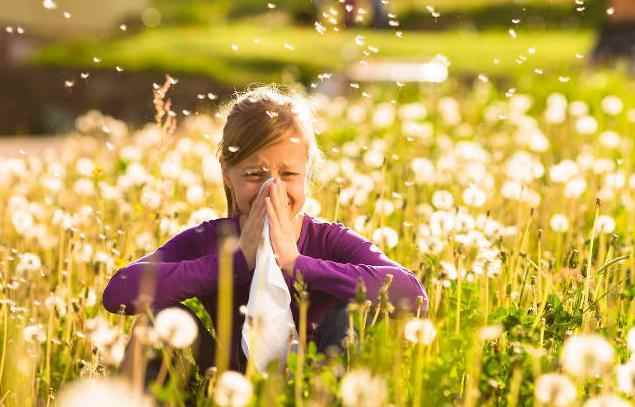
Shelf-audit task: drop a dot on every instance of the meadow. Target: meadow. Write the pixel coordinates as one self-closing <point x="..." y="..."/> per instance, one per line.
<point x="515" y="207"/>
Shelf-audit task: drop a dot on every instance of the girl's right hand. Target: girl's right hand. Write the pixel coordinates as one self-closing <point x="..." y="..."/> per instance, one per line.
<point x="251" y="231"/>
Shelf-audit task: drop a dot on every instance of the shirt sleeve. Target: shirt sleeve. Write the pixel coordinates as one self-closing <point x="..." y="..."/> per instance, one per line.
<point x="182" y="271"/>
<point x="356" y="258"/>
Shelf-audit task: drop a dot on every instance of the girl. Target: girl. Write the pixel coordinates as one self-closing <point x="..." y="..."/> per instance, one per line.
<point x="267" y="134"/>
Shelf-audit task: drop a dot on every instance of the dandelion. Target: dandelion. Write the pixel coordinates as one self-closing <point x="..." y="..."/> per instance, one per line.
<point x="419" y="330"/>
<point x="559" y="223"/>
<point x="490" y="333"/>
<point x="578" y="108"/>
<point x="233" y="390"/>
<point x="102" y="392"/>
<point x="474" y="196"/>
<point x="575" y="188"/>
<point x="442" y="200"/>
<point x="150" y="198"/>
<point x="630" y="340"/>
<point x="588" y="355"/>
<point x="605" y="224"/>
<point x="626" y="377"/>
<point x="612" y="105"/>
<point x="34" y="333"/>
<point x="49" y="4"/>
<point x="359" y="388"/>
<point x="387" y="236"/>
<point x="374" y="158"/>
<point x="176" y="327"/>
<point x="195" y="194"/>
<point x="555" y="389"/>
<point x="586" y="125"/>
<point x="28" y="262"/>
<point x="608" y="400"/>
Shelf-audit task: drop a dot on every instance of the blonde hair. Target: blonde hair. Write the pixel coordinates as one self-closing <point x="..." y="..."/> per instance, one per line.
<point x="259" y="117"/>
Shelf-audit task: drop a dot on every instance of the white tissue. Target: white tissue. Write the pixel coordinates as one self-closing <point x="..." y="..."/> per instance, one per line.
<point x="269" y="302"/>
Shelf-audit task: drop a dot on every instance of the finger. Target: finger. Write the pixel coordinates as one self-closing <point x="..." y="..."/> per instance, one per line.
<point x="279" y="199"/>
<point x="273" y="217"/>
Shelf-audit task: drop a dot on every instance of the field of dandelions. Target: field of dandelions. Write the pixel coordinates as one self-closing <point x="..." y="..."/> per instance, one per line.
<point x="516" y="211"/>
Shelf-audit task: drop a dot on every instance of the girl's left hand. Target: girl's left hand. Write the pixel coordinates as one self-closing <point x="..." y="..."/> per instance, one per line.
<point x="282" y="228"/>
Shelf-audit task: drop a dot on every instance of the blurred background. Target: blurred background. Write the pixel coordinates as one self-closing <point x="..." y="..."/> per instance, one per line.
<point x="61" y="58"/>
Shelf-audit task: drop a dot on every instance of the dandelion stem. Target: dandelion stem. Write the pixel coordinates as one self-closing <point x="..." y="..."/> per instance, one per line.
<point x="418" y="374"/>
<point x="225" y="301"/>
<point x="299" y="369"/>
<point x="587" y="280"/>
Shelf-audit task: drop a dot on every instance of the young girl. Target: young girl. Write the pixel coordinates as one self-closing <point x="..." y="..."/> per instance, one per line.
<point x="267" y="134"/>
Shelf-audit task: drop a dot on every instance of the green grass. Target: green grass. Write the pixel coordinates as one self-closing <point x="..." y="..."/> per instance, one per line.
<point x="208" y="51"/>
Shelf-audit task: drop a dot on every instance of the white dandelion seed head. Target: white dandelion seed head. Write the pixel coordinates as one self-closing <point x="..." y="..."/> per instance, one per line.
<point x="490" y="332"/>
<point x="587" y="355"/>
<point x="386" y="235"/>
<point x="578" y="108"/>
<point x="610" y="139"/>
<point x="630" y="340"/>
<point x="612" y="105"/>
<point x="608" y="400"/>
<point x="384" y="206"/>
<point x="359" y="388"/>
<point x="195" y="194"/>
<point x="559" y="223"/>
<point x="586" y="125"/>
<point x="626" y="377"/>
<point x="233" y="390"/>
<point x="474" y="196"/>
<point x="176" y="327"/>
<point x="419" y="330"/>
<point x="442" y="199"/>
<point x="102" y="392"/>
<point x="575" y="188"/>
<point x="563" y="171"/>
<point x="605" y="224"/>
<point x="34" y="333"/>
<point x="555" y="389"/>
<point x="28" y="262"/>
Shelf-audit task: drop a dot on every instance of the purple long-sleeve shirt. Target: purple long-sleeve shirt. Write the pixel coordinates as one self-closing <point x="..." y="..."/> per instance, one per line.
<point x="332" y="259"/>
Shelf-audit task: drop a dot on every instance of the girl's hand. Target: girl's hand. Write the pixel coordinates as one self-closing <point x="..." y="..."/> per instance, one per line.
<point x="282" y="227"/>
<point x="251" y="231"/>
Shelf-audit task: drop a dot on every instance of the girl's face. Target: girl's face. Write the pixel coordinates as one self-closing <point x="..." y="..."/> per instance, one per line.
<point x="286" y="159"/>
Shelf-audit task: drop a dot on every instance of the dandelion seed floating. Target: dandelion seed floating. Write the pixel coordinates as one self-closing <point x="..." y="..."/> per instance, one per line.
<point x="211" y="96"/>
<point x="234" y="47"/>
<point x="271" y="6"/>
<point x="119" y="69"/>
<point x="512" y="33"/>
<point x="67" y="15"/>
<point x="319" y="28"/>
<point x="288" y="46"/>
<point x="69" y="84"/>
<point x="49" y="4"/>
<point x="123" y="27"/>
<point x="433" y="12"/>
<point x="96" y="60"/>
<point x="233" y="149"/>
<point x="9" y="30"/>
<point x="84" y="75"/>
